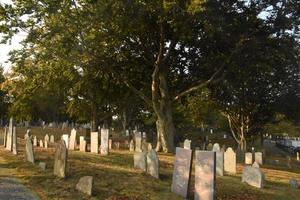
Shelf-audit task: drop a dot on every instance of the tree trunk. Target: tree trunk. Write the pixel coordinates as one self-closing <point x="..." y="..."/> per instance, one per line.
<point x="94" y="120"/>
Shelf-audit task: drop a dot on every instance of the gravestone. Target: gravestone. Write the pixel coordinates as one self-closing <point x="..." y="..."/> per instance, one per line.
<point x="60" y="160"/>
<point x="140" y="160"/>
<point x="294" y="183"/>
<point x="230" y="161"/>
<point x="219" y="159"/>
<point x="104" y="141"/>
<point x="52" y="140"/>
<point x="253" y="176"/>
<point x="15" y="142"/>
<point x="209" y="147"/>
<point x="131" y="145"/>
<point x="41" y="143"/>
<point x="187" y="144"/>
<point x="297" y="156"/>
<point x="144" y="136"/>
<point x="42" y="165"/>
<point x="94" y="142"/>
<point x="182" y="172"/>
<point x="145" y="146"/>
<point x="34" y="141"/>
<point x="46" y="144"/>
<point x="259" y="158"/>
<point x="85" y="185"/>
<point x="65" y="137"/>
<point x="29" y="150"/>
<point x="27" y="134"/>
<point x="82" y="144"/>
<point x="152" y="163"/>
<point x="9" y="135"/>
<point x="109" y="144"/>
<point x="149" y="146"/>
<point x="205" y="175"/>
<point x="138" y="141"/>
<point x="73" y="141"/>
<point x="47" y="138"/>
<point x="248" y="158"/>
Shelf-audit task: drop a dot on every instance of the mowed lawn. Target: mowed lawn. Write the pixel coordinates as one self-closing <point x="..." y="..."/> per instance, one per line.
<point x="116" y="179"/>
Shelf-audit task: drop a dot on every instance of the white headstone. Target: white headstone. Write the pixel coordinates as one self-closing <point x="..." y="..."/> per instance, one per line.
<point x="73" y="141"/>
<point x="219" y="159"/>
<point x="187" y="144"/>
<point x="65" y="137"/>
<point x="94" y="142"/>
<point x="230" y="161"/>
<point x="104" y="141"/>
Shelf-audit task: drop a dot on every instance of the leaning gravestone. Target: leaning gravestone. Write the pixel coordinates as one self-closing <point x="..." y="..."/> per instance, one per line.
<point x="248" y="158"/>
<point x="60" y="160"/>
<point x="140" y="160"/>
<point x="138" y="141"/>
<point x="15" y="143"/>
<point x="104" y="141"/>
<point x="131" y="145"/>
<point x="253" y="176"/>
<point x="182" y="172"/>
<point x="219" y="159"/>
<point x="205" y="175"/>
<point x="187" y="144"/>
<point x="152" y="163"/>
<point x="73" y="141"/>
<point x="258" y="157"/>
<point x="29" y="150"/>
<point x="94" y="142"/>
<point x="82" y="144"/>
<point x="65" y="137"/>
<point x="230" y="161"/>
<point x="9" y="136"/>
<point x="52" y="139"/>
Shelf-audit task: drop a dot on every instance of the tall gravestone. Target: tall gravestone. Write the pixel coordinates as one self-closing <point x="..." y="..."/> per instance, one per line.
<point x="182" y="172"/>
<point x="73" y="141"/>
<point x="9" y="136"/>
<point x="60" y="160"/>
<point x="65" y="137"/>
<point x="138" y="141"/>
<point x="34" y="141"/>
<point x="15" y="142"/>
<point x="131" y="145"/>
<point x="52" y="140"/>
<point x="41" y="144"/>
<point x="82" y="144"/>
<point x="205" y="175"/>
<point x="230" y="161"/>
<point x="104" y="141"/>
<point x="29" y="150"/>
<point x="110" y="144"/>
<point x="94" y="142"/>
<point x="47" y="138"/>
<point x="219" y="159"/>
<point x="153" y="163"/>
<point x="187" y="144"/>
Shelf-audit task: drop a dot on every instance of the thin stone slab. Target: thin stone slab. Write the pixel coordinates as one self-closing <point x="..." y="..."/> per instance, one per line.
<point x="73" y="141"/>
<point x="15" y="142"/>
<point x="205" y="175"/>
<point x="85" y="185"/>
<point x="209" y="147"/>
<point x="29" y="150"/>
<point x="230" y="161"/>
<point x="153" y="163"/>
<point x="140" y="160"/>
<point x="253" y="176"/>
<point x="131" y="145"/>
<point x="110" y="144"/>
<point x="182" y="172"/>
<point x="9" y="136"/>
<point x="219" y="159"/>
<point x="248" y="158"/>
<point x="34" y="141"/>
<point x="82" y="144"/>
<point x="41" y="143"/>
<point x="60" y="160"/>
<point x="138" y="141"/>
<point x="46" y="144"/>
<point x="94" y="142"/>
<point x="65" y="137"/>
<point x="258" y="157"/>
<point x="187" y="144"/>
<point x="104" y="142"/>
<point x="52" y="140"/>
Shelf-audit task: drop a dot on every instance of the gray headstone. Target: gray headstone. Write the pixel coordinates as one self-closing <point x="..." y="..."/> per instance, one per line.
<point x="85" y="185"/>
<point x="230" y="161"/>
<point x="42" y="165"/>
<point x="253" y="176"/>
<point x="219" y="159"/>
<point x="73" y="141"/>
<point x="138" y="141"/>
<point x="29" y="150"/>
<point x="153" y="163"/>
<point x="187" y="144"/>
<point x="94" y="142"/>
<point x="104" y="141"/>
<point x="60" y="160"/>
<point x="131" y="146"/>
<point x="205" y="175"/>
<point x="139" y="159"/>
<point x="182" y="172"/>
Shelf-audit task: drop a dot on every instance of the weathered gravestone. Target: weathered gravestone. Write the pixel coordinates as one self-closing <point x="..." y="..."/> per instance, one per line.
<point x="138" y="141"/>
<point x="65" y="137"/>
<point x="294" y="183"/>
<point x="9" y="136"/>
<point x="248" y="158"/>
<point x="46" y="144"/>
<point x="230" y="161"/>
<point x="182" y="172"/>
<point x="15" y="142"/>
<point x="109" y="144"/>
<point x="41" y="143"/>
<point x="104" y="141"/>
<point x="94" y="142"/>
<point x="219" y="159"/>
<point x="209" y="147"/>
<point x="149" y="146"/>
<point x="34" y="141"/>
<point x="152" y="163"/>
<point x="140" y="160"/>
<point x="47" y="138"/>
<point x="85" y="185"/>
<point x="187" y="144"/>
<point x="52" y="140"/>
<point x="259" y="157"/>
<point x="82" y="144"/>
<point x="145" y="146"/>
<point x="131" y="145"/>
<point x="253" y="176"/>
<point x="27" y="134"/>
<point x="29" y="150"/>
<point x="205" y="175"/>
<point x="42" y="165"/>
<point x="73" y="141"/>
<point x="60" y="160"/>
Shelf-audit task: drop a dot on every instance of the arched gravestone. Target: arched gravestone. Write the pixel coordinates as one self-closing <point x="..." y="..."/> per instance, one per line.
<point x="152" y="163"/>
<point x="187" y="144"/>
<point x="60" y="160"/>
<point x="230" y="161"/>
<point x="219" y="159"/>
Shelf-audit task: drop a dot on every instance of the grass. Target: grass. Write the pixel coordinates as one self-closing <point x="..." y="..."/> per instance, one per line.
<point x="116" y="179"/>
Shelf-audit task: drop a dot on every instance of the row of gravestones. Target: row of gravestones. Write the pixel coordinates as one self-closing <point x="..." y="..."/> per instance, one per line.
<point x="10" y="138"/>
<point x="208" y="164"/>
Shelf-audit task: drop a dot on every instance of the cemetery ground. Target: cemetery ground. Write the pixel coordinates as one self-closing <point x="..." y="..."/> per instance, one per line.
<point x="116" y="179"/>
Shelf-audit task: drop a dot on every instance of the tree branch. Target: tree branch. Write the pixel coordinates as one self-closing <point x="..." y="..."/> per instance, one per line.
<point x="139" y="93"/>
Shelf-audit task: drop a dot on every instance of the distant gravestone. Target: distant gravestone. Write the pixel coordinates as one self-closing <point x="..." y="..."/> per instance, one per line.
<point x="29" y="150"/>
<point x="248" y="158"/>
<point x="109" y="144"/>
<point x="73" y="141"/>
<point x="85" y="185"/>
<point x="209" y="147"/>
<point x="42" y="165"/>
<point x="15" y="142"/>
<point x="138" y="141"/>
<point x="65" y="137"/>
<point x="187" y="144"/>
<point x="82" y="144"/>
<point x="34" y="141"/>
<point x="94" y="142"/>
<point x="104" y="142"/>
<point x="230" y="161"/>
<point x="27" y="134"/>
<point x="41" y="143"/>
<point x="205" y="175"/>
<point x="9" y="135"/>
<point x="60" y="160"/>
<point x="219" y="159"/>
<point x="253" y="176"/>
<point x="46" y="144"/>
<point x="297" y="156"/>
<point x="140" y="160"/>
<point x="117" y="145"/>
<point x="149" y="146"/>
<point x="47" y="138"/>
<point x="131" y="145"/>
<point x="294" y="183"/>
<point x="182" y="172"/>
<point x="144" y="136"/>
<point x="52" y="140"/>
<point x="259" y="157"/>
<point x="153" y="163"/>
